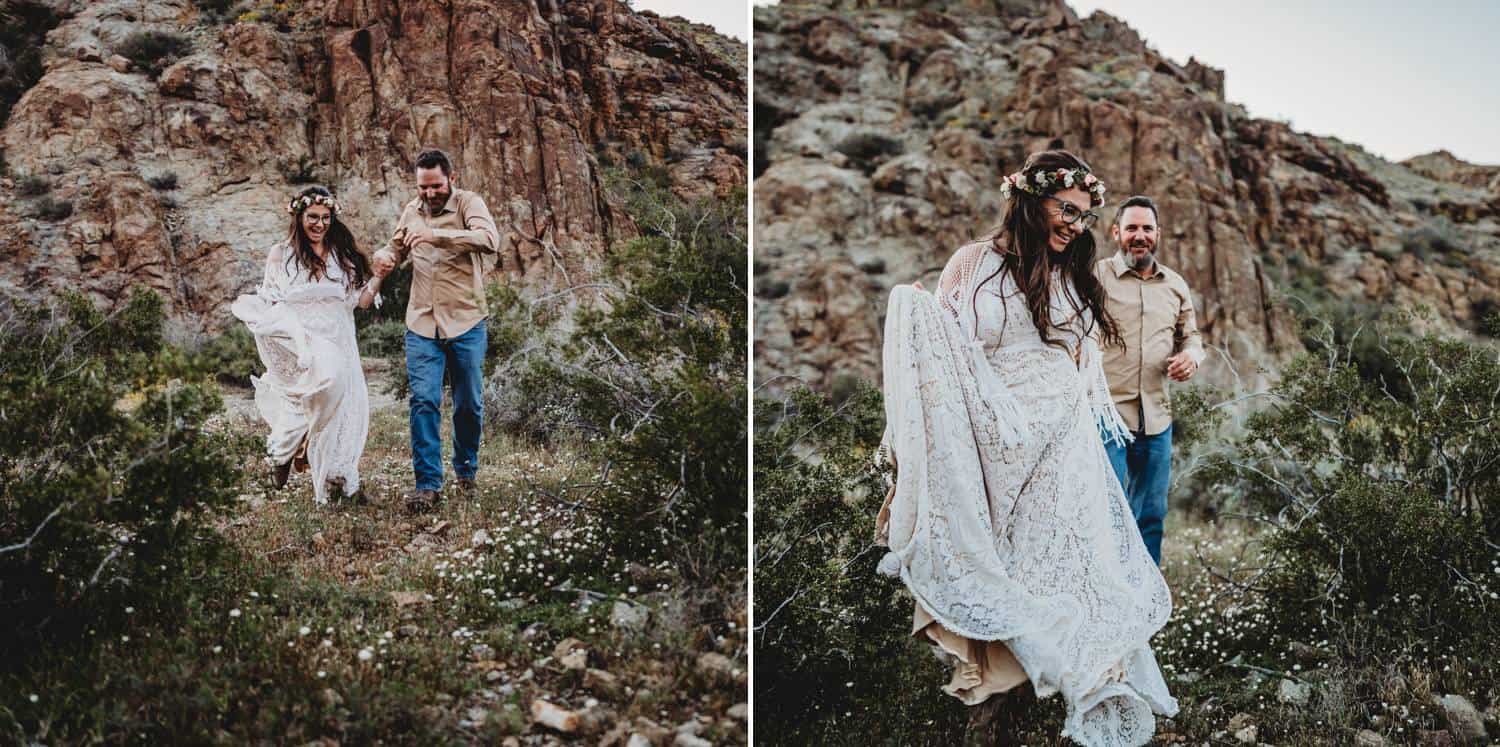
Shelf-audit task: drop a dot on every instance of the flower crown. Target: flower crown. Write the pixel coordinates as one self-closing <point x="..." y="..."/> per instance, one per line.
<point x="1044" y="183"/>
<point x="298" y="204"/>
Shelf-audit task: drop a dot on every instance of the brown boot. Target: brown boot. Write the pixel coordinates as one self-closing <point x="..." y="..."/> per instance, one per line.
<point x="465" y="486"/>
<point x="422" y="501"/>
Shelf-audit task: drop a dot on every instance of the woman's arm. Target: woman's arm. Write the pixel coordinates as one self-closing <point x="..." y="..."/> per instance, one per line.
<point x="370" y="292"/>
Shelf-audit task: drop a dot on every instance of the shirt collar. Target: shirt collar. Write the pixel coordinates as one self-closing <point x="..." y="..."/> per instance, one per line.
<point x="1122" y="266"/>
<point x="450" y="206"/>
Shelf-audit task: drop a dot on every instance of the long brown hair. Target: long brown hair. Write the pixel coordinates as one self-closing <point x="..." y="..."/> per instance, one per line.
<point x="1022" y="241"/>
<point x="339" y="239"/>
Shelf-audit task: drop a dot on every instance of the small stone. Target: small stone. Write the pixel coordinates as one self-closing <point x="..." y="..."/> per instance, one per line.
<point x="1308" y="653"/>
<point x="689" y="740"/>
<point x="1239" y="721"/>
<point x="739" y="711"/>
<point x="599" y="680"/>
<point x="408" y="598"/>
<point x="638" y="740"/>
<point x="1367" y="738"/>
<point x="716" y="663"/>
<point x="494" y="675"/>
<point x="118" y="63"/>
<point x="1464" y="720"/>
<point x="577" y="659"/>
<point x="1248" y="735"/>
<point x="1440" y="738"/>
<point x="408" y="631"/>
<point x="477" y="714"/>
<point x="554" y="717"/>
<point x="629" y="616"/>
<point x="565" y="647"/>
<point x="1293" y="693"/>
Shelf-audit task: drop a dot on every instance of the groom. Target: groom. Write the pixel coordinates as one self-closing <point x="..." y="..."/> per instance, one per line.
<point x="443" y="231"/>
<point x="1154" y="311"/>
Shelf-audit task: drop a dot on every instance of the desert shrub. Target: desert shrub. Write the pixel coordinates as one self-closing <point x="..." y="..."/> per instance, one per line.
<point x="304" y="170"/>
<point x="653" y="374"/>
<point x="153" y="51"/>
<point x="106" y="470"/>
<point x="216" y="10"/>
<point x="662" y="377"/>
<point x="164" y="181"/>
<point x="386" y="339"/>
<point x="23" y="28"/>
<point x="530" y="392"/>
<point x="1383" y="510"/>
<point x="49" y="208"/>
<point x="835" y="662"/>
<point x="33" y="186"/>
<point x="230" y="356"/>
<point x="1435" y="242"/>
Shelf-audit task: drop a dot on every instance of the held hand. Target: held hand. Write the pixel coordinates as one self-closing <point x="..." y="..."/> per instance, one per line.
<point x="417" y="235"/>
<point x="918" y="285"/>
<point x="383" y="262"/>
<point x="1181" y="367"/>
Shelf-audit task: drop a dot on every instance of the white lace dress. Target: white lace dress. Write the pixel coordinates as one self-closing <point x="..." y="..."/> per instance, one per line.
<point x="314" y="387"/>
<point x="1006" y="520"/>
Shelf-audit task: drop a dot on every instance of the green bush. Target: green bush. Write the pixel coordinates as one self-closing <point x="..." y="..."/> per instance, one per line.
<point x="107" y="471"/>
<point x="23" y="29"/>
<point x="652" y="374"/>
<point x="386" y="339"/>
<point x="217" y="10"/>
<point x="50" y="209"/>
<point x="33" y="186"/>
<point x="1382" y="497"/>
<point x="835" y="662"/>
<point x="164" y="181"/>
<point x="153" y="51"/>
<point x="230" y="356"/>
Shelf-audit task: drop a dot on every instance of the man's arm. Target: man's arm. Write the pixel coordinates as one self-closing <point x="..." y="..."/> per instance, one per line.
<point x="1187" y="336"/>
<point x="397" y="247"/>
<point x="479" y="233"/>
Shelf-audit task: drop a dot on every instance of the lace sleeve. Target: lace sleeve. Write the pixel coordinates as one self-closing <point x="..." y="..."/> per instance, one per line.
<point x="957" y="275"/>
<point x="1101" y="402"/>
<point x="273" y="284"/>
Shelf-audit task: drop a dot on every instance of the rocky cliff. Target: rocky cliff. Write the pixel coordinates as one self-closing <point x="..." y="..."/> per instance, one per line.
<point x="883" y="128"/>
<point x="166" y="160"/>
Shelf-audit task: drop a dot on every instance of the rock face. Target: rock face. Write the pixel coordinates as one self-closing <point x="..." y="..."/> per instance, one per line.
<point x="531" y="98"/>
<point x="883" y="128"/>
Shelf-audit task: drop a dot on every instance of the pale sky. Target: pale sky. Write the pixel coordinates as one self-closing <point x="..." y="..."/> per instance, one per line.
<point x="728" y="17"/>
<point x="1400" y="78"/>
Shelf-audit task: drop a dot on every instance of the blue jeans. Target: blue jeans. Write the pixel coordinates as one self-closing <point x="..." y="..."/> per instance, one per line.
<point x="426" y="360"/>
<point x="1144" y="467"/>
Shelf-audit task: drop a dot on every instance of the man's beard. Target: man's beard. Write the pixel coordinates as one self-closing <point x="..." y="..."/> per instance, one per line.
<point x="439" y="201"/>
<point x="1144" y="262"/>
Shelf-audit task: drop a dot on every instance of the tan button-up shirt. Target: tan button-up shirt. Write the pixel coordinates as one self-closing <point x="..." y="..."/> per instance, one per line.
<point x="1156" y="320"/>
<point x="447" y="274"/>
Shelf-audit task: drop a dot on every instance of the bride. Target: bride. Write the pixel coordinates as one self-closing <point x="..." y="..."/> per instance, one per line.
<point x="1005" y="520"/>
<point x="313" y="394"/>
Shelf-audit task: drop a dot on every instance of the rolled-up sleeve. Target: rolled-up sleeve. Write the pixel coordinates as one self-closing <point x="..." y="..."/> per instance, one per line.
<point x="1188" y="338"/>
<point x="479" y="233"/>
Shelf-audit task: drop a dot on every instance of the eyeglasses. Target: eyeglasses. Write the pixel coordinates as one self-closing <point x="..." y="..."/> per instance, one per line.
<point x="1071" y="214"/>
<point x="324" y="219"/>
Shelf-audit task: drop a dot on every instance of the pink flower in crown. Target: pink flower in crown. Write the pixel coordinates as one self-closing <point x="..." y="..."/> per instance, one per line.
<point x="1089" y="180"/>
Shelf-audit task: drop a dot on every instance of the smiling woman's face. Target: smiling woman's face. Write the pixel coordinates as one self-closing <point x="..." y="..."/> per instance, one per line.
<point x="1062" y="232"/>
<point x="315" y="222"/>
